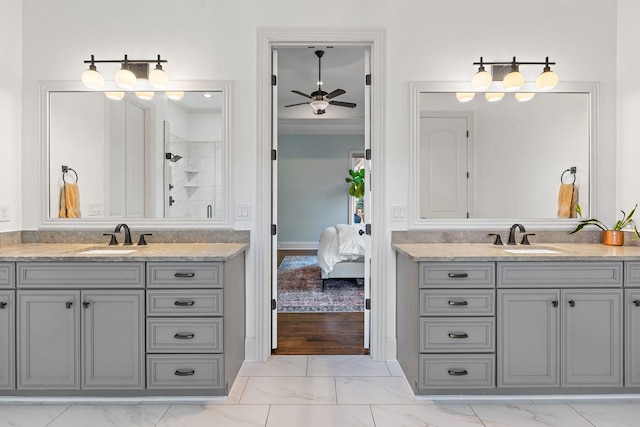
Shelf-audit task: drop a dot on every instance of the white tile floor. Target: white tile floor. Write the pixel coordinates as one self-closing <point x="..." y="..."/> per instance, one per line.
<point x="327" y="391"/>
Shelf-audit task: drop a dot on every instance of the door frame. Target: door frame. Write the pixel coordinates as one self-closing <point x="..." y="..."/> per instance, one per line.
<point x="258" y="337"/>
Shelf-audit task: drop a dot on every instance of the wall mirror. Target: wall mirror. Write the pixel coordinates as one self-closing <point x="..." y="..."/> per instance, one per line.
<point x="140" y="160"/>
<point x="484" y="164"/>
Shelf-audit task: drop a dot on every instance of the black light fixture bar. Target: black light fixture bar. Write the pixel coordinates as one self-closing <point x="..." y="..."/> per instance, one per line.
<point x="546" y="62"/>
<point x="125" y="60"/>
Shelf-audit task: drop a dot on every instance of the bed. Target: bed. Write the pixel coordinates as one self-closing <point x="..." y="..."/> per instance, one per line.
<point x="341" y="252"/>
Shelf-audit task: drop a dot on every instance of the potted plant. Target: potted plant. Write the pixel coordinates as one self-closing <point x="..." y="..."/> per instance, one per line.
<point x="613" y="236"/>
<point x="356" y="189"/>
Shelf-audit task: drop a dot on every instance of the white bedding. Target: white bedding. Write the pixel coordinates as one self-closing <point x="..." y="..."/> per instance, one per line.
<point x="340" y="243"/>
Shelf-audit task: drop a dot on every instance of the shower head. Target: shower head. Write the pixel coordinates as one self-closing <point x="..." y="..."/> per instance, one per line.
<point x="172" y="157"/>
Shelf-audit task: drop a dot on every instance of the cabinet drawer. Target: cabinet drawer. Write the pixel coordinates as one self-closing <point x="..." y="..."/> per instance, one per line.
<point x="74" y="275"/>
<point x="549" y="274"/>
<point x="184" y="335"/>
<point x="457" y="274"/>
<point x="186" y="302"/>
<point x="7" y="275"/>
<point x="457" y="302"/>
<point x="456" y="371"/>
<point x="184" y="274"/>
<point x="632" y="274"/>
<point x="449" y="335"/>
<point x="185" y="371"/>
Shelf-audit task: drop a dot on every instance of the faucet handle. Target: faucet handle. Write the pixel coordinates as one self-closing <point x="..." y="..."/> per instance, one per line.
<point x="525" y="238"/>
<point x="113" y="240"/>
<point x="142" y="241"/>
<point x="498" y="240"/>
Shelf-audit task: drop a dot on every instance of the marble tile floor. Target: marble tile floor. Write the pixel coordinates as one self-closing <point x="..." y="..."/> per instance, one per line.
<point x="327" y="391"/>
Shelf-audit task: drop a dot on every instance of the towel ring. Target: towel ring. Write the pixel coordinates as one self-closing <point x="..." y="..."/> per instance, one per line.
<point x="65" y="170"/>
<point x="572" y="170"/>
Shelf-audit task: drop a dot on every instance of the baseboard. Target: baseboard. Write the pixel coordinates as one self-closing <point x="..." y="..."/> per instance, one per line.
<point x="297" y="245"/>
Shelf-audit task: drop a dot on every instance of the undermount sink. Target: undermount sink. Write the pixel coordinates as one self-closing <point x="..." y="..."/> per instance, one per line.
<point x="532" y="251"/>
<point x="107" y="251"/>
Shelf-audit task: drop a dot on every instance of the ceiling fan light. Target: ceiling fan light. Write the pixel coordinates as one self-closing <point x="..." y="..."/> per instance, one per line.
<point x="494" y="96"/>
<point x="465" y="96"/>
<point x="524" y="96"/>
<point x="92" y="78"/>
<point x="116" y="96"/>
<point x="176" y="95"/>
<point x="126" y="79"/>
<point x="145" y="95"/>
<point x="318" y="105"/>
<point x="513" y="81"/>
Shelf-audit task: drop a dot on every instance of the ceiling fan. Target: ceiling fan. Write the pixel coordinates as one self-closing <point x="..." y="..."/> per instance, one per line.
<point x="320" y="99"/>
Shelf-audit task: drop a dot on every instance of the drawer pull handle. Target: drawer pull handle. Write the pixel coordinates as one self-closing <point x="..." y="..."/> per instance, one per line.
<point x="458" y="275"/>
<point x="454" y="335"/>
<point x="554" y="303"/>
<point x="458" y="372"/>
<point x="68" y="304"/>
<point x="183" y="275"/>
<point x="2" y="305"/>
<point x="636" y="303"/>
<point x="572" y="303"/>
<point x="184" y="336"/>
<point x="458" y="303"/>
<point x="185" y="372"/>
<point x="184" y="303"/>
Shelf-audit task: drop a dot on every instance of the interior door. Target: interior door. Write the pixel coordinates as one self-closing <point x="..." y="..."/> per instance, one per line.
<point x="274" y="199"/>
<point x="367" y="196"/>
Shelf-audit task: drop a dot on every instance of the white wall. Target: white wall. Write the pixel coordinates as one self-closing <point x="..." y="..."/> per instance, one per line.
<point x="10" y="106"/>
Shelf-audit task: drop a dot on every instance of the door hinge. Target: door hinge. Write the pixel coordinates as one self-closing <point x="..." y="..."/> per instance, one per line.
<point x="367" y="154"/>
<point x="367" y="80"/>
<point x="274" y="305"/>
<point x="467" y="215"/>
<point x="274" y="80"/>
<point x="274" y="154"/>
<point x="467" y="134"/>
<point x="274" y="229"/>
<point x="367" y="303"/>
<point x="367" y="229"/>
<point x="467" y="175"/>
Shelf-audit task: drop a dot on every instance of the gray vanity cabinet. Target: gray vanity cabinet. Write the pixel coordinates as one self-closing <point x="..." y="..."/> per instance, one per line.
<point x="632" y="324"/>
<point x="7" y="340"/>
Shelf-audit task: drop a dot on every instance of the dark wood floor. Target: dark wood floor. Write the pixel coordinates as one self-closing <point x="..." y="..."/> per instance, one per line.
<point x="319" y="333"/>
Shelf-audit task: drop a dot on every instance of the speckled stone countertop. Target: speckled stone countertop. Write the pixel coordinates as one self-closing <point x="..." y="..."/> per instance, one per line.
<point x="488" y="252"/>
<point x="152" y="252"/>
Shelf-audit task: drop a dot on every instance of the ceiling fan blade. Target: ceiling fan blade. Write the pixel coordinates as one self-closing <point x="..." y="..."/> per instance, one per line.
<point x="293" y="105"/>
<point x="343" y="104"/>
<point x="302" y="93"/>
<point x="335" y="93"/>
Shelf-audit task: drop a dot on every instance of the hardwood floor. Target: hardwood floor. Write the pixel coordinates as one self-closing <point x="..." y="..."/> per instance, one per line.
<point x="319" y="333"/>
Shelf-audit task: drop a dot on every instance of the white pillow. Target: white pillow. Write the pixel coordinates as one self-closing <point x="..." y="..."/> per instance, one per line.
<point x="350" y="242"/>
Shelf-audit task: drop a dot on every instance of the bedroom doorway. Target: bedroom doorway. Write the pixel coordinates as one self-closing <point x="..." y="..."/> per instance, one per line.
<point x="303" y="137"/>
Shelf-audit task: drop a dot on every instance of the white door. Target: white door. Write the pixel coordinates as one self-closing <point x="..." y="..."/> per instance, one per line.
<point x="367" y="196"/>
<point x="444" y="175"/>
<point x="274" y="199"/>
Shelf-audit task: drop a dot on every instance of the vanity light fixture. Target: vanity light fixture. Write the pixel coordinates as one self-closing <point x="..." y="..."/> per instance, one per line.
<point x="482" y="79"/>
<point x="514" y="80"/>
<point x="127" y="76"/>
<point x="92" y="78"/>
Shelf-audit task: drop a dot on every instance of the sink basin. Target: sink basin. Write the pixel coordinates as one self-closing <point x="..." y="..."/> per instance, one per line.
<point x="107" y="251"/>
<point x="532" y="251"/>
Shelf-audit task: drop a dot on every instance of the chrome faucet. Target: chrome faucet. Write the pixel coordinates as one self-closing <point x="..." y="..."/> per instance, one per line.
<point x="512" y="233"/>
<point x="127" y="232"/>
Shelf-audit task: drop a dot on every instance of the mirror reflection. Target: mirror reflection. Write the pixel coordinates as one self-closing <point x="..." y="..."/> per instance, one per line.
<point x="135" y="157"/>
<point x="506" y="159"/>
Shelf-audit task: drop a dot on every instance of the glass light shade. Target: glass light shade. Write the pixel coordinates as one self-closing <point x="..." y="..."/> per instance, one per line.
<point x="513" y="81"/>
<point x="319" y="105"/>
<point x="145" y="95"/>
<point x="525" y="96"/>
<point x="126" y="79"/>
<point x="481" y="81"/>
<point x="158" y="79"/>
<point x="116" y="96"/>
<point x="547" y="80"/>
<point x="465" y="96"/>
<point x="175" y="95"/>
<point x="494" y="96"/>
<point x="92" y="79"/>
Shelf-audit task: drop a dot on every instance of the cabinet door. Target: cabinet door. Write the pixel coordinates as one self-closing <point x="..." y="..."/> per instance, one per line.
<point x="632" y="337"/>
<point x="48" y="339"/>
<point x="7" y="340"/>
<point x="112" y="339"/>
<point x="528" y="338"/>
<point x="592" y="337"/>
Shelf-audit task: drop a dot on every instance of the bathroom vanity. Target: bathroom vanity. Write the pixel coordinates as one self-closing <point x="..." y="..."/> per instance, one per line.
<point x="477" y="319"/>
<point x="162" y="319"/>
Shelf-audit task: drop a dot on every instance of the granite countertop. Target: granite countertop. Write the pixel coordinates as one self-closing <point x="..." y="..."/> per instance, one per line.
<point x="151" y="252"/>
<point x="488" y="252"/>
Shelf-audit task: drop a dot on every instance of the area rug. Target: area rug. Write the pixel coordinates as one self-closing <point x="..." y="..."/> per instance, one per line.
<point x="300" y="289"/>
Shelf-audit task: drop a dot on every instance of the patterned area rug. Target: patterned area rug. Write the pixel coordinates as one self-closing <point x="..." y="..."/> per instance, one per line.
<point x="300" y="289"/>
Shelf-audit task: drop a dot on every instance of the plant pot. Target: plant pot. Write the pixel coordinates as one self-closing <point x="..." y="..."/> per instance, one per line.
<point x="613" y="238"/>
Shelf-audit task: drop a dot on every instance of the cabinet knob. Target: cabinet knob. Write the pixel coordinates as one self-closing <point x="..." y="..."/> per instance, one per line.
<point x="184" y="336"/>
<point x="554" y="303"/>
<point x="458" y="335"/>
<point x="2" y="304"/>
<point x="458" y="303"/>
<point x="636" y="302"/>
<point x="68" y="304"/>
<point x="572" y="303"/>
<point x="85" y="304"/>
<point x="184" y="372"/>
<point x="458" y="275"/>
<point x="182" y="275"/>
<point x="458" y="372"/>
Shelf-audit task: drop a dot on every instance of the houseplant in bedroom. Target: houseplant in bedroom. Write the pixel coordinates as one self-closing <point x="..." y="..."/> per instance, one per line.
<point x="613" y="236"/>
<point x="356" y="179"/>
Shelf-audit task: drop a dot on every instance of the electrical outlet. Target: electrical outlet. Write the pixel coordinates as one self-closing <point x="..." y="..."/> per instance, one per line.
<point x="95" y="209"/>
<point x="5" y="213"/>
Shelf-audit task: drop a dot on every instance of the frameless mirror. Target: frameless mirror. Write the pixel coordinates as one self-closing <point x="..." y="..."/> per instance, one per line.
<point x="487" y="161"/>
<point x="136" y="159"/>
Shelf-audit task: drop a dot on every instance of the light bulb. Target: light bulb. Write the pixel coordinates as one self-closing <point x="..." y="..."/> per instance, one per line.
<point x="175" y="95"/>
<point x="547" y="80"/>
<point x="494" y="96"/>
<point x="116" y="96"/>
<point x="145" y="95"/>
<point x="158" y="78"/>
<point x="319" y="105"/>
<point x="482" y="80"/>
<point x="126" y="79"/>
<point x="92" y="79"/>
<point x="524" y="96"/>
<point x="513" y="81"/>
<point x="465" y="96"/>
